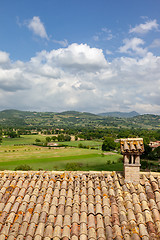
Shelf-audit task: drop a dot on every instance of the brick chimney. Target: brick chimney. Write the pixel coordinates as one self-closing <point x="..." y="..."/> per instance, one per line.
<point x="132" y="148"/>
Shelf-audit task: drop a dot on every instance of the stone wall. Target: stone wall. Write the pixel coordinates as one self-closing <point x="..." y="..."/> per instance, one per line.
<point x="131" y="172"/>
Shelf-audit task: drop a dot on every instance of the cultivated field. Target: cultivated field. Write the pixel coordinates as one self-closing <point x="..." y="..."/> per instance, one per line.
<point x="49" y="158"/>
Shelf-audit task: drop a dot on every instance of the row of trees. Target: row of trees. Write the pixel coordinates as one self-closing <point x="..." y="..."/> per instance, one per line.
<point x="88" y="133"/>
<point x="59" y="138"/>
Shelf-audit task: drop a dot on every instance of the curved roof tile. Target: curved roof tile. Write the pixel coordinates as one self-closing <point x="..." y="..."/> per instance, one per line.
<point x="78" y="205"/>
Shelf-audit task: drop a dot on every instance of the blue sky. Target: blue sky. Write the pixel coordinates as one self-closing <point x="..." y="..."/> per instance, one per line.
<point x="94" y="56"/>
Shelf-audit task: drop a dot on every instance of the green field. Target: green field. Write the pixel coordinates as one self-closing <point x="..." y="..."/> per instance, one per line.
<point x="24" y="139"/>
<point x="30" y="139"/>
<point x="48" y="158"/>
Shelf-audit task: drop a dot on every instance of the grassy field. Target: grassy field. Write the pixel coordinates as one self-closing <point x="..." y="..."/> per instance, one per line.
<point x="30" y="139"/>
<point x="24" y="139"/>
<point x="69" y="158"/>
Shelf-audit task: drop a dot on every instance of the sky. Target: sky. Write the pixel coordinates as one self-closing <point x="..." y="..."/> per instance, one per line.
<point x="89" y="55"/>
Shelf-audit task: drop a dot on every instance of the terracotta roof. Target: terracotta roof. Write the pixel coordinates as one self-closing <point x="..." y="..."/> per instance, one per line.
<point x="78" y="205"/>
<point x="132" y="145"/>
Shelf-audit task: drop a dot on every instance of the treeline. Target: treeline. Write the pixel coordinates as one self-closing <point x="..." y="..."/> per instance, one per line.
<point x="85" y="133"/>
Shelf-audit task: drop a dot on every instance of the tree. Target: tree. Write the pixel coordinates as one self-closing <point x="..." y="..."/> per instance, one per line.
<point x="76" y="138"/>
<point x="48" y="139"/>
<point x="147" y="151"/>
<point x="54" y="138"/>
<point x="67" y="138"/>
<point x="108" y="144"/>
<point x="60" y="137"/>
<point x="12" y="134"/>
<point x="155" y="154"/>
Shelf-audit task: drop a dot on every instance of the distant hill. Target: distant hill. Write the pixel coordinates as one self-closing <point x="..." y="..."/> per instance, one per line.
<point x="120" y="114"/>
<point x="76" y="113"/>
<point x="74" y="119"/>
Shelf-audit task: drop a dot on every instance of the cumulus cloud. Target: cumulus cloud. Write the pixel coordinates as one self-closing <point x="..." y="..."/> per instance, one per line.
<point x="133" y="46"/>
<point x="79" y="77"/>
<point x="12" y="80"/>
<point x="37" y="27"/>
<point x="145" y="27"/>
<point x="74" y="57"/>
<point x="4" y="57"/>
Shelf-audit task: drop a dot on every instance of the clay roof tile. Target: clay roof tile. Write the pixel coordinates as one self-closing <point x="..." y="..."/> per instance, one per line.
<point x="83" y="207"/>
<point x="99" y="209"/>
<point x="92" y="234"/>
<point x="67" y="221"/>
<point x="83" y="229"/>
<point x="68" y="210"/>
<point x="143" y="231"/>
<point x="59" y="220"/>
<point x="66" y="232"/>
<point x="60" y="201"/>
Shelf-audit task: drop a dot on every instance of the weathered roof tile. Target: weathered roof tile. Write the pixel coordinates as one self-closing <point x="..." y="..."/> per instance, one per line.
<point x="76" y="205"/>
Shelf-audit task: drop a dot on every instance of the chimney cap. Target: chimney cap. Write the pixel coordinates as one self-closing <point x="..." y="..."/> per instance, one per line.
<point x="132" y="145"/>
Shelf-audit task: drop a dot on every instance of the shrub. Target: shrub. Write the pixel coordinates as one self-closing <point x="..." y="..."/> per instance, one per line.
<point x="73" y="166"/>
<point x="120" y="159"/>
<point x="144" y="164"/>
<point x="24" y="167"/>
<point x="80" y="145"/>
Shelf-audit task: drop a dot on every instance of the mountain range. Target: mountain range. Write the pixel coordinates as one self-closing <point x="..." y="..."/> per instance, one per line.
<point x="16" y="118"/>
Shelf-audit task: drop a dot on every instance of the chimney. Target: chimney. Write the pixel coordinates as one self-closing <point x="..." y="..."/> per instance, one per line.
<point x="132" y="148"/>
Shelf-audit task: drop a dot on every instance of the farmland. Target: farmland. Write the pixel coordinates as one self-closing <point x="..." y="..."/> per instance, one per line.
<point x="20" y="151"/>
<point x="42" y="140"/>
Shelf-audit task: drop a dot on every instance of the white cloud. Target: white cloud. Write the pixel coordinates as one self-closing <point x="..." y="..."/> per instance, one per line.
<point x="155" y="43"/>
<point x="96" y="38"/>
<point x="79" y="77"/>
<point x="76" y="57"/>
<point x="132" y="46"/>
<point x="147" y="108"/>
<point x="4" y="57"/>
<point x="12" y="80"/>
<point x="63" y="43"/>
<point x="108" y="33"/>
<point x="145" y="27"/>
<point x="37" y="27"/>
<point x="103" y="35"/>
<point x="108" y="52"/>
<point x="109" y="37"/>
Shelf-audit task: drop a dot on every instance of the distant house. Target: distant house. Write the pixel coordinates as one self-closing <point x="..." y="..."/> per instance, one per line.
<point x="154" y="145"/>
<point x="52" y="144"/>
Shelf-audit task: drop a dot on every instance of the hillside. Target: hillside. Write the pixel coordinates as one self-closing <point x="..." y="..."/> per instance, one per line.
<point x="16" y="118"/>
<point x="120" y="114"/>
